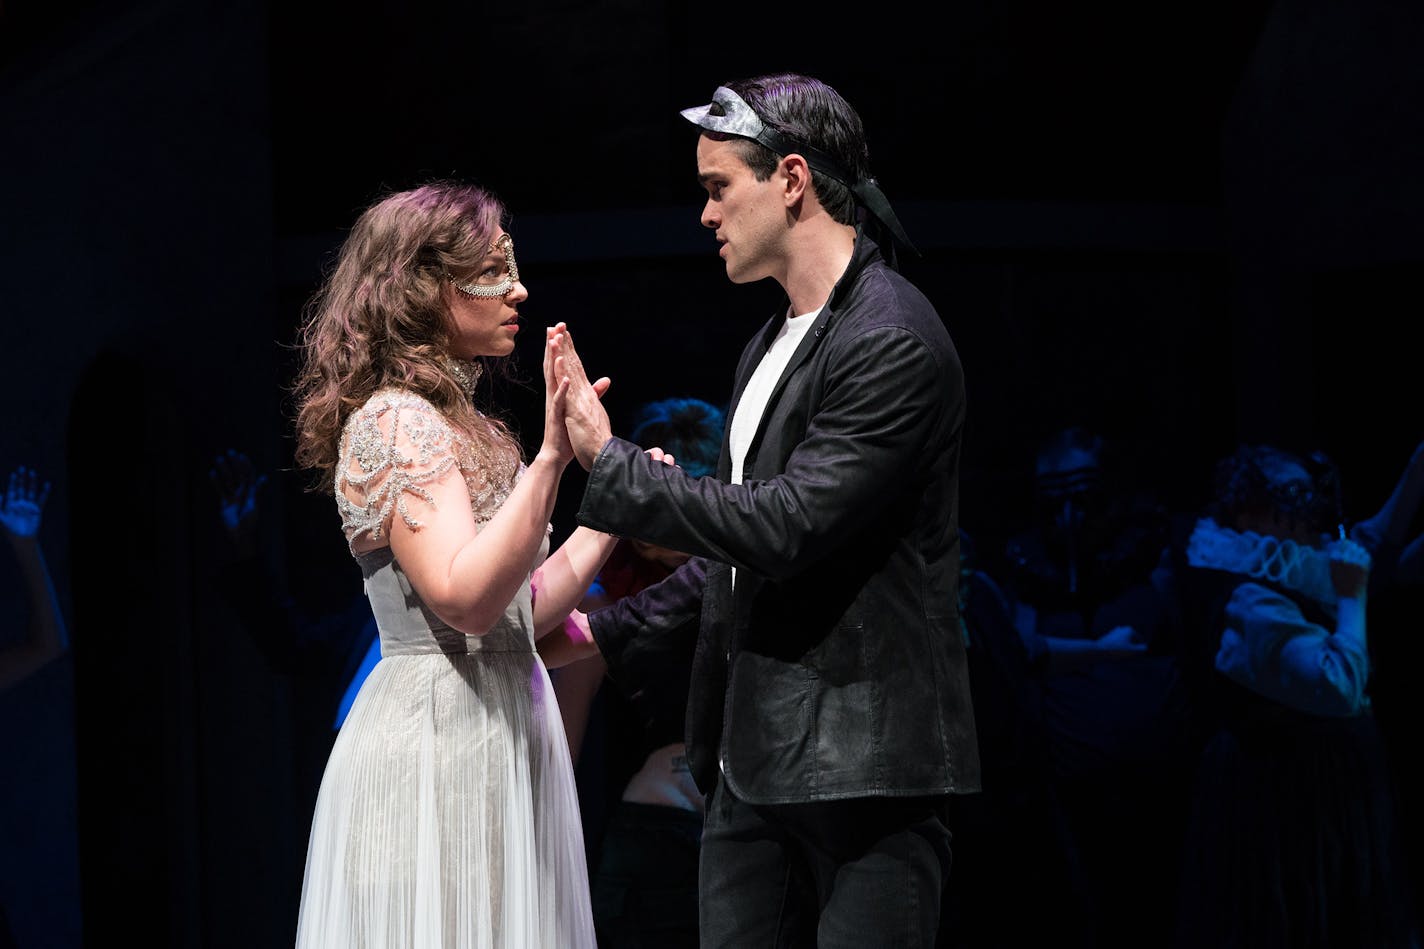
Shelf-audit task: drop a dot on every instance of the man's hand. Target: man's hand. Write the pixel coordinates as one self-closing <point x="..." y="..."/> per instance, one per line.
<point x="237" y="484"/>
<point x="657" y="454"/>
<point x="1120" y="642"/>
<point x="1349" y="568"/>
<point x="23" y="504"/>
<point x="584" y="416"/>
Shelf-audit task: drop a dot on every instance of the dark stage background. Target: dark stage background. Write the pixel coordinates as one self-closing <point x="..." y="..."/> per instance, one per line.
<point x="1182" y="224"/>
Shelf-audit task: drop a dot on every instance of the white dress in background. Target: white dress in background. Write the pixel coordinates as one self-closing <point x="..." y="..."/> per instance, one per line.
<point x="448" y="814"/>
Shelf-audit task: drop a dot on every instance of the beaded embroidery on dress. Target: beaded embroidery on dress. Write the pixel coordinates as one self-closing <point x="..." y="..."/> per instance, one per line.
<point x="397" y="443"/>
<point x="448" y="815"/>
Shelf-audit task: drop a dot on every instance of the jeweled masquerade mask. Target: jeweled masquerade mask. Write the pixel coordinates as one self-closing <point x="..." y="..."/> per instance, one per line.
<point x="738" y="118"/>
<point x="491" y="281"/>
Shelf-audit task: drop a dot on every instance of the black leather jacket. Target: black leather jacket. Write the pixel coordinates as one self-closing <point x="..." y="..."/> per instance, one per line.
<point x="836" y="669"/>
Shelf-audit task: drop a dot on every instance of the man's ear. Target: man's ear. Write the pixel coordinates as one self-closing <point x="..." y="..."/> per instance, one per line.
<point x="797" y="178"/>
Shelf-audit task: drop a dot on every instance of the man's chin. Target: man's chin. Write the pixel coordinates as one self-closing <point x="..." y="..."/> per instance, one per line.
<point x="739" y="276"/>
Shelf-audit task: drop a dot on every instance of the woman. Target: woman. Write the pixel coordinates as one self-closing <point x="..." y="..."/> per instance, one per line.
<point x="447" y="814"/>
<point x="1293" y="835"/>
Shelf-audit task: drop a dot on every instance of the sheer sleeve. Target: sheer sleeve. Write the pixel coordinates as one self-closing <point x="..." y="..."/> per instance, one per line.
<point x="394" y="446"/>
<point x="1269" y="647"/>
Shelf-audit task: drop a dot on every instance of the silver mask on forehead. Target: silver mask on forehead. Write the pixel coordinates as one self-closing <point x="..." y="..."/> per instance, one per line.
<point x="737" y="118"/>
<point x="740" y="119"/>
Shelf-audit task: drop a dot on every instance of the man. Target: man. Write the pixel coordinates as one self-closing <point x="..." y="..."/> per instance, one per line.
<point x="829" y="711"/>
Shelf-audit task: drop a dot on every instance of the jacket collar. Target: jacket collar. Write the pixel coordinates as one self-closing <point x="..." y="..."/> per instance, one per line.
<point x="864" y="253"/>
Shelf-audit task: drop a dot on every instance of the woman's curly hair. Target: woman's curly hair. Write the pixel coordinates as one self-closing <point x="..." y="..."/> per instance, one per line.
<point x="380" y="319"/>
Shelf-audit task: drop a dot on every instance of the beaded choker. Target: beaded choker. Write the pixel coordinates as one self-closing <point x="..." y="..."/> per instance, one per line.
<point x="467" y="372"/>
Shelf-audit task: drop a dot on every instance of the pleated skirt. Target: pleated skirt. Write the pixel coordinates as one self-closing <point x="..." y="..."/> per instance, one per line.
<point x="448" y="815"/>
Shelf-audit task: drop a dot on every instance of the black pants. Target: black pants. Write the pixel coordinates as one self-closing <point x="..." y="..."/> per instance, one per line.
<point x="854" y="873"/>
<point x="645" y="886"/>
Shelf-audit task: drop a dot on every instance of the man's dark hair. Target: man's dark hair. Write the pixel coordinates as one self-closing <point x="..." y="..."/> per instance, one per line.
<point x="811" y="112"/>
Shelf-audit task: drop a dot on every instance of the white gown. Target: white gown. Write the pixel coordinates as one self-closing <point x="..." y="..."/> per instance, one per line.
<point x="448" y="814"/>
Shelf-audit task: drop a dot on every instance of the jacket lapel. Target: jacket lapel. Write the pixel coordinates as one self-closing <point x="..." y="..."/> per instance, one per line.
<point x="865" y="251"/>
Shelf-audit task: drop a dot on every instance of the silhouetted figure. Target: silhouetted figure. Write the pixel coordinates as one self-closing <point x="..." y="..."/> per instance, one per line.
<point x="21" y="511"/>
<point x="1012" y="842"/>
<point x="1292" y="843"/>
<point x="1086" y="596"/>
<point x="332" y="652"/>
<point x="47" y="637"/>
<point x="324" y="655"/>
<point x="1394" y="536"/>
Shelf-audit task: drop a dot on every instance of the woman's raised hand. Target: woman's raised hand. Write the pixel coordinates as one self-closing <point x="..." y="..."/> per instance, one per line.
<point x="582" y="410"/>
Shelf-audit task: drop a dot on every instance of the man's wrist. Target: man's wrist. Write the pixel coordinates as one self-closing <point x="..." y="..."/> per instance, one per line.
<point x="23" y="542"/>
<point x="592" y="459"/>
<point x="1352" y="604"/>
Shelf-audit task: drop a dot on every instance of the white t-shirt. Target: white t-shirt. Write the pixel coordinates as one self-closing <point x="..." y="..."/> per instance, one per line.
<point x="752" y="406"/>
